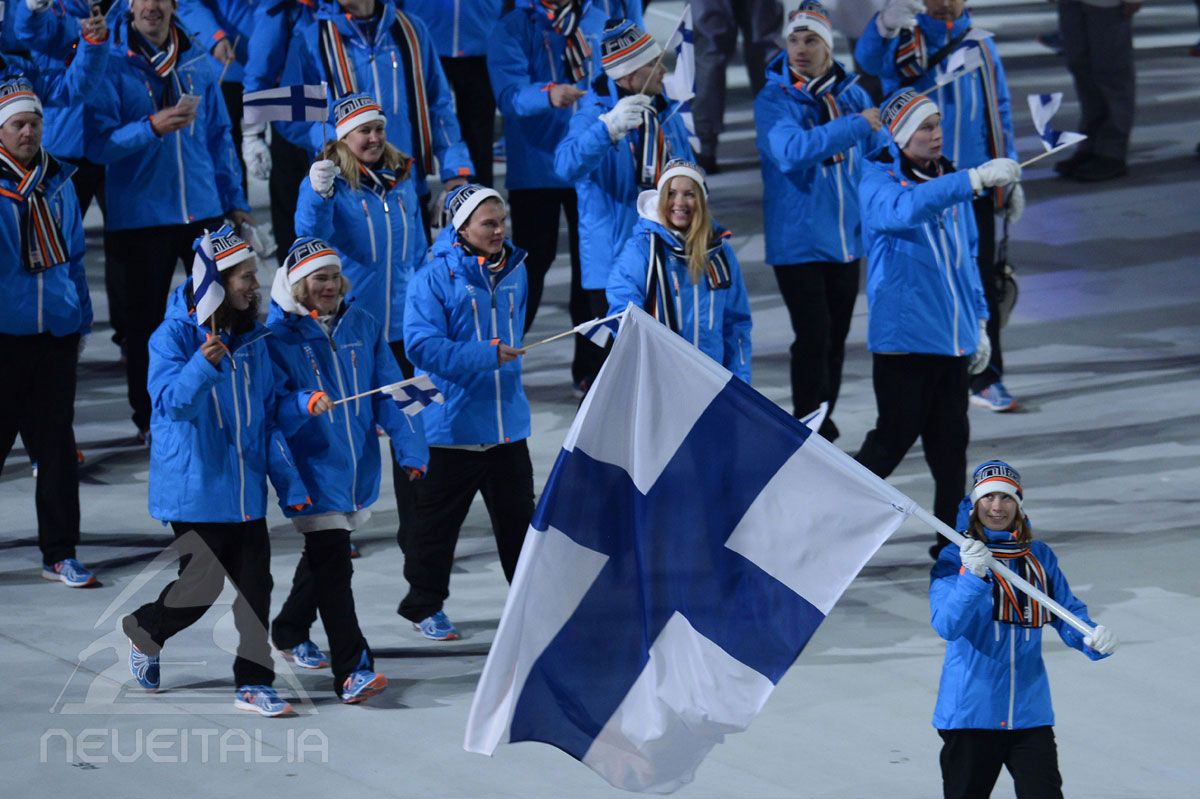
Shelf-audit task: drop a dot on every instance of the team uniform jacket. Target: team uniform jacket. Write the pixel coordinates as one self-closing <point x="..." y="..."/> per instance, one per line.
<point x="604" y="176"/>
<point x="381" y="242"/>
<point x="216" y="431"/>
<point x="460" y="28"/>
<point x="811" y="170"/>
<point x="215" y="20"/>
<point x="457" y="313"/>
<point x="923" y="288"/>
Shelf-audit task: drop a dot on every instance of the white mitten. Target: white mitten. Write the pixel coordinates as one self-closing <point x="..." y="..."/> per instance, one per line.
<point x="1016" y="204"/>
<point x="897" y="15"/>
<point x="321" y="175"/>
<point x="1102" y="640"/>
<point x="625" y="116"/>
<point x="37" y="5"/>
<point x="983" y="351"/>
<point x="997" y="172"/>
<point x="255" y="151"/>
<point x="975" y="557"/>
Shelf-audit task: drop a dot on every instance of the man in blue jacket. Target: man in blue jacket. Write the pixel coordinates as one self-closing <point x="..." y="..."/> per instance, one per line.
<point x="617" y="145"/>
<point x="47" y="311"/>
<point x="927" y="315"/>
<point x="465" y="308"/>
<point x="172" y="171"/>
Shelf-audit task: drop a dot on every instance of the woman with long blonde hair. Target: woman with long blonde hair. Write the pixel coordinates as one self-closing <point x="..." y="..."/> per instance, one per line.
<point x="680" y="267"/>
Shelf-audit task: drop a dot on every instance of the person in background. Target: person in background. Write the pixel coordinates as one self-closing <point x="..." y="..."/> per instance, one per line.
<point x="679" y="266"/>
<point x="465" y="308"/>
<point x="993" y="705"/>
<point x="47" y="318"/>
<point x="322" y="342"/>
<point x="815" y="126"/>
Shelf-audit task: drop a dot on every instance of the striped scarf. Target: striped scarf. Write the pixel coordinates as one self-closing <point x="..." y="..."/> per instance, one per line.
<point x="162" y="62"/>
<point x="1011" y="605"/>
<point x="650" y="148"/>
<point x="492" y="263"/>
<point x="565" y="19"/>
<point x="663" y="300"/>
<point x="911" y="56"/>
<point x="821" y="90"/>
<point x="42" y="243"/>
<point x="340" y="70"/>
<point x="380" y="180"/>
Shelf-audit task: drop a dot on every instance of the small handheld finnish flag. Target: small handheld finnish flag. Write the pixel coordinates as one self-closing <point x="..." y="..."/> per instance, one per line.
<point x="957" y="64"/>
<point x="286" y="104"/>
<point x="680" y="85"/>
<point x="599" y="332"/>
<point x="414" y="396"/>
<point x="207" y="290"/>
<point x="1043" y="107"/>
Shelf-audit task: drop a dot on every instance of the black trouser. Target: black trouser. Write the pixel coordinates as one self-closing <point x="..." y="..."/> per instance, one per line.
<point x="504" y="475"/>
<point x="820" y="301"/>
<point x="971" y="761"/>
<point x="535" y="215"/>
<point x="922" y="396"/>
<point x="475" y="107"/>
<point x="1098" y="46"/>
<point x="232" y="94"/>
<point x="146" y="258"/>
<point x="38" y="401"/>
<point x="88" y="180"/>
<point x="210" y="552"/>
<point x="403" y="487"/>
<point x="322" y="583"/>
<point x="289" y="166"/>
<point x="985" y="220"/>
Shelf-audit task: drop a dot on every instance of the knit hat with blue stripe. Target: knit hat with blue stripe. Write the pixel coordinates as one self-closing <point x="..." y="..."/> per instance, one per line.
<point x="904" y="112"/>
<point x="996" y="477"/>
<point x="355" y="110"/>
<point x="306" y="256"/>
<point x="17" y="96"/>
<point x="625" y="48"/>
<point x="811" y="16"/>
<point x="463" y="201"/>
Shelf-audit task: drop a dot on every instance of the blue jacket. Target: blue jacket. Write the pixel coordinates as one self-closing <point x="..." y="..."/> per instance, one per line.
<point x="217" y="431"/>
<point x="605" y="179"/>
<point x="378" y="68"/>
<point x="796" y="151"/>
<point x="457" y="313"/>
<point x="381" y="242"/>
<point x="717" y="322"/>
<point x="993" y="677"/>
<point x="964" y="118"/>
<point x="153" y="180"/>
<point x="273" y="53"/>
<point x="526" y="56"/>
<point x="338" y="452"/>
<point x="54" y="301"/>
<point x="214" y="20"/>
<point x="459" y="28"/>
<point x="923" y="289"/>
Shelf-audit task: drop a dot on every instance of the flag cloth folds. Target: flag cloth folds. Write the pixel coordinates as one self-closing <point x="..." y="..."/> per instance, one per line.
<point x="680" y="85"/>
<point x="415" y="395"/>
<point x="208" y="292"/>
<point x="286" y="104"/>
<point x="690" y="539"/>
<point x="1043" y="107"/>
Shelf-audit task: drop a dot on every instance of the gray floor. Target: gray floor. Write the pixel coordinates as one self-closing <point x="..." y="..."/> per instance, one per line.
<point x="1102" y="351"/>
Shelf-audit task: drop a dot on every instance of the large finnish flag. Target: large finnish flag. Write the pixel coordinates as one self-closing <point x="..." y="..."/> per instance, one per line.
<point x="690" y="539"/>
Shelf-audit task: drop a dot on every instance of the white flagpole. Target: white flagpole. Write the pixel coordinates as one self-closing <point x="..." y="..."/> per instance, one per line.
<point x="1037" y="158"/>
<point x="408" y="382"/>
<point x="577" y="329"/>
<point x="1008" y="574"/>
<point x="658" y="60"/>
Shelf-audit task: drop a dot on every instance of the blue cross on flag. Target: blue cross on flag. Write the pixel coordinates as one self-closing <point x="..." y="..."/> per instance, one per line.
<point x="286" y="104"/>
<point x="680" y="85"/>
<point x="690" y="539"/>
<point x="415" y="395"/>
<point x="1043" y="107"/>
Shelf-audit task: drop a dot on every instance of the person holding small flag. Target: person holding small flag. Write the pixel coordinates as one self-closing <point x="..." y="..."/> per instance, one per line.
<point x="47" y="316"/>
<point x="932" y="47"/>
<point x="221" y="414"/>
<point x="679" y="266"/>
<point x="815" y="125"/>
<point x="926" y="326"/>
<point x="993" y="705"/>
<point x="617" y="145"/>
<point x="323" y="342"/>
<point x="463" y="327"/>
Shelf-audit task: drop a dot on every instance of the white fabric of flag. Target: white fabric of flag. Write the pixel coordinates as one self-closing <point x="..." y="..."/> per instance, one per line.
<point x="959" y="63"/>
<point x="691" y="537"/>
<point x="680" y="85"/>
<point x="1043" y="107"/>
<point x="302" y="103"/>
<point x="598" y="332"/>
<point x="415" y="395"/>
<point x="207" y="290"/>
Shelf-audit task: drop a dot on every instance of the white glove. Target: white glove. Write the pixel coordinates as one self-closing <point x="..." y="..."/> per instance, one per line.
<point x="997" y="172"/>
<point x="1102" y="640"/>
<point x="896" y="15"/>
<point x="37" y="5"/>
<point x="975" y="557"/>
<point x="255" y="151"/>
<point x="83" y="342"/>
<point x="625" y="116"/>
<point x="1016" y="204"/>
<point x="321" y="175"/>
<point x="983" y="351"/>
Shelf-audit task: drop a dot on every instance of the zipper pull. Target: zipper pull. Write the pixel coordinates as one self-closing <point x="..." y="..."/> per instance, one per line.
<point x="316" y="369"/>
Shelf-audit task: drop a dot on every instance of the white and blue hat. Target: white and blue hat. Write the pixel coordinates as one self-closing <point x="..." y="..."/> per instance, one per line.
<point x="17" y="96"/>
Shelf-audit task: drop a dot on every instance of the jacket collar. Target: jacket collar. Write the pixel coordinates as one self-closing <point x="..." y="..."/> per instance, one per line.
<point x="779" y="73"/>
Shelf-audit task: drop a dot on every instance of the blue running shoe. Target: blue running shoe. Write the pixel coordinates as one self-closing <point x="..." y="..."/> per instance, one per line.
<point x="362" y="685"/>
<point x="70" y="572"/>
<point x="995" y="398"/>
<point x="355" y="552"/>
<point x="144" y="668"/>
<point x="437" y="628"/>
<point x="309" y="656"/>
<point x="262" y="699"/>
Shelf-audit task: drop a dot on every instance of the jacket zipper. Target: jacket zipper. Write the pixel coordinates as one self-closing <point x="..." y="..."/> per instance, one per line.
<point x="354" y="378"/>
<point x="454" y="39"/>
<point x="246" y="390"/>
<point x="237" y="442"/>
<point x="940" y="255"/>
<point x="957" y="119"/>
<point x="550" y="58"/>
<point x="370" y="230"/>
<point x="712" y="308"/>
<point x="512" y="336"/>
<point x="217" y="406"/>
<point x="837" y="175"/>
<point x="337" y="372"/>
<point x="475" y="314"/>
<point x="182" y="177"/>
<point x="696" y="314"/>
<point x="320" y="384"/>
<point x="678" y="300"/>
<point x="1012" y="675"/>
<point x="387" y="227"/>
<point x="496" y="334"/>
<point x="395" y="84"/>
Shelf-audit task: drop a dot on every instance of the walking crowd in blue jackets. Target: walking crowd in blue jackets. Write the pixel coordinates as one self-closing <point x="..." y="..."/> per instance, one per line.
<point x="138" y="105"/>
